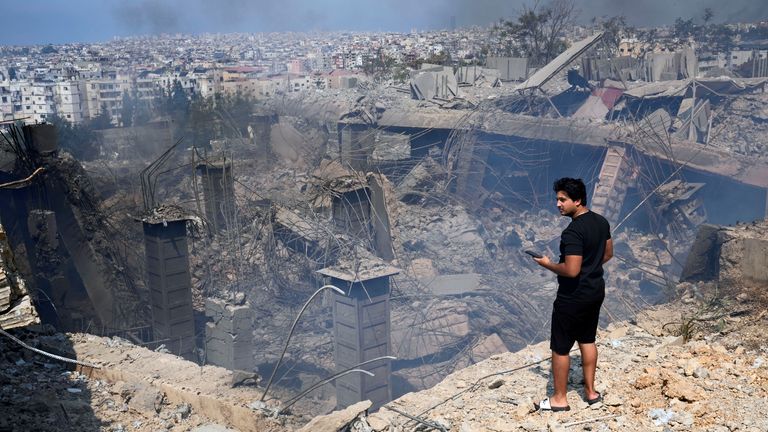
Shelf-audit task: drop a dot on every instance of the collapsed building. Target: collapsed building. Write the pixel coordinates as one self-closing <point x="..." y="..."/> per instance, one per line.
<point x="414" y="202"/>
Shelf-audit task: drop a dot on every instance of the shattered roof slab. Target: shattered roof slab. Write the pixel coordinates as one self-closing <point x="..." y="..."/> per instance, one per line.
<point x="704" y="87"/>
<point x="298" y="224"/>
<point x="577" y="131"/>
<point x="541" y="76"/>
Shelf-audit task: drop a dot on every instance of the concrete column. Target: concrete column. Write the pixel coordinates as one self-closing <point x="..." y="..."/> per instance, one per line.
<point x="261" y="126"/>
<point x="219" y="194"/>
<point x="382" y="235"/>
<point x="229" y="335"/>
<point x="766" y="191"/>
<point x="170" y="286"/>
<point x="356" y="142"/>
<point x="41" y="138"/>
<point x="361" y="327"/>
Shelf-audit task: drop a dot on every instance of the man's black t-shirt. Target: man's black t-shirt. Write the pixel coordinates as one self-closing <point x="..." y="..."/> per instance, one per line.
<point x="585" y="236"/>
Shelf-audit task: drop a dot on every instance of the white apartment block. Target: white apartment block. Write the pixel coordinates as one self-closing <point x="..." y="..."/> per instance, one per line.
<point x="106" y="93"/>
<point x="37" y="101"/>
<point x="68" y="96"/>
<point x="7" y="98"/>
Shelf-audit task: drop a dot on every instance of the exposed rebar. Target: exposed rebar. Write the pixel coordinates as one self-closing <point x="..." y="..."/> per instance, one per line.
<point x="318" y="384"/>
<point x="47" y="354"/>
<point x="293" y="327"/>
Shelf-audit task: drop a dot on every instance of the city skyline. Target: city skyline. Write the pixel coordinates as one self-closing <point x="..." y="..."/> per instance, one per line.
<point x="49" y="21"/>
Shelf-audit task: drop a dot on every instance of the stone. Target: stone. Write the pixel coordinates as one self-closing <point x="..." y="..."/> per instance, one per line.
<point x="618" y="333"/>
<point x="523" y="410"/>
<point x="691" y="366"/>
<point x="378" y="423"/>
<point x="336" y="420"/>
<point x="184" y="410"/>
<point x="503" y="425"/>
<point x="496" y="384"/>
<point x="145" y="399"/>
<point x="684" y="418"/>
<point x="671" y="341"/>
<point x="555" y="426"/>
<point x="683" y="390"/>
<point x="701" y="373"/>
<point x="645" y="380"/>
<point x="612" y="400"/>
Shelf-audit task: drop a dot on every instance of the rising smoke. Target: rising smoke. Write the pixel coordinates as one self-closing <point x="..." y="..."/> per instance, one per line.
<point x="148" y="16"/>
<point x="398" y="15"/>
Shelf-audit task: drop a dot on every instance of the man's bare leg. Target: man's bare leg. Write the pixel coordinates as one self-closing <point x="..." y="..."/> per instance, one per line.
<point x="589" y="364"/>
<point x="560" y="367"/>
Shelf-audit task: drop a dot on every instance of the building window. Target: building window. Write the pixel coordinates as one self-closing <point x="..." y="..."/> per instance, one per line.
<point x="66" y="88"/>
<point x="69" y="116"/>
<point x="5" y="99"/>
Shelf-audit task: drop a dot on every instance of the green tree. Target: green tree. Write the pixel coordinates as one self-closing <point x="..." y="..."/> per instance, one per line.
<point x="615" y="28"/>
<point x="684" y="28"/>
<point x="441" y="58"/>
<point x="128" y="110"/>
<point x="537" y="32"/>
<point x="103" y="120"/>
<point x="142" y="112"/>
<point x="178" y="103"/>
<point x="201" y="122"/>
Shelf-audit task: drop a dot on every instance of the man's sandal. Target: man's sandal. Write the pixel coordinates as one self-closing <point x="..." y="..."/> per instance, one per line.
<point x="545" y="405"/>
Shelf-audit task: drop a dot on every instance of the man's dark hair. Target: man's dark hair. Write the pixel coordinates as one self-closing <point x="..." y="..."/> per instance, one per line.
<point x="572" y="187"/>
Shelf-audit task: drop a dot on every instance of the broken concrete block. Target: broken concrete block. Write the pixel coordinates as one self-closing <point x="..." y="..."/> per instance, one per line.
<point x="336" y="420"/>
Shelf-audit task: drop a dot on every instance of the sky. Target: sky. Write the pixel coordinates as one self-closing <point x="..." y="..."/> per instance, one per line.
<point x="60" y="21"/>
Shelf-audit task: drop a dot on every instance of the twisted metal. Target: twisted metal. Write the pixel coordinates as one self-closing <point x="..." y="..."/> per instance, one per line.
<point x="293" y="327"/>
<point x="318" y="384"/>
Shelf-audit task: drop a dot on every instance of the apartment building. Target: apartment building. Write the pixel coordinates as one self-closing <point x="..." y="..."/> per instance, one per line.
<point x="69" y="98"/>
<point x="37" y="100"/>
<point x="107" y="93"/>
<point x="6" y="101"/>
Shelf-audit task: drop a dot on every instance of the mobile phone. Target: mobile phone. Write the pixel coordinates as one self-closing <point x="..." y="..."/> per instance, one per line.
<point x="534" y="254"/>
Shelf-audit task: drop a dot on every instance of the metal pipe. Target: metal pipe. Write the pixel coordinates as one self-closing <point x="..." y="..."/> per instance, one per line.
<point x="293" y="327"/>
<point x="318" y="384"/>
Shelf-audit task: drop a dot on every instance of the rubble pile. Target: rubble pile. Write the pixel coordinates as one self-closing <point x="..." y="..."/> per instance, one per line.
<point x="54" y="397"/>
<point x="651" y="378"/>
<point x="742" y="125"/>
<point x="465" y="292"/>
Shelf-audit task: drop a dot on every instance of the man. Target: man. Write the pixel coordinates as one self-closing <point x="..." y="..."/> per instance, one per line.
<point x="585" y="245"/>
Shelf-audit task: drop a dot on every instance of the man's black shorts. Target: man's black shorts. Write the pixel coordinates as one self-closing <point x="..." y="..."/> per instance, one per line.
<point x="573" y="322"/>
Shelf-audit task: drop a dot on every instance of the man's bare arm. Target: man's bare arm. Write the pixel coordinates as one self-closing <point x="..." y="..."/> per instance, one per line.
<point x="570" y="268"/>
<point x="608" y="251"/>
